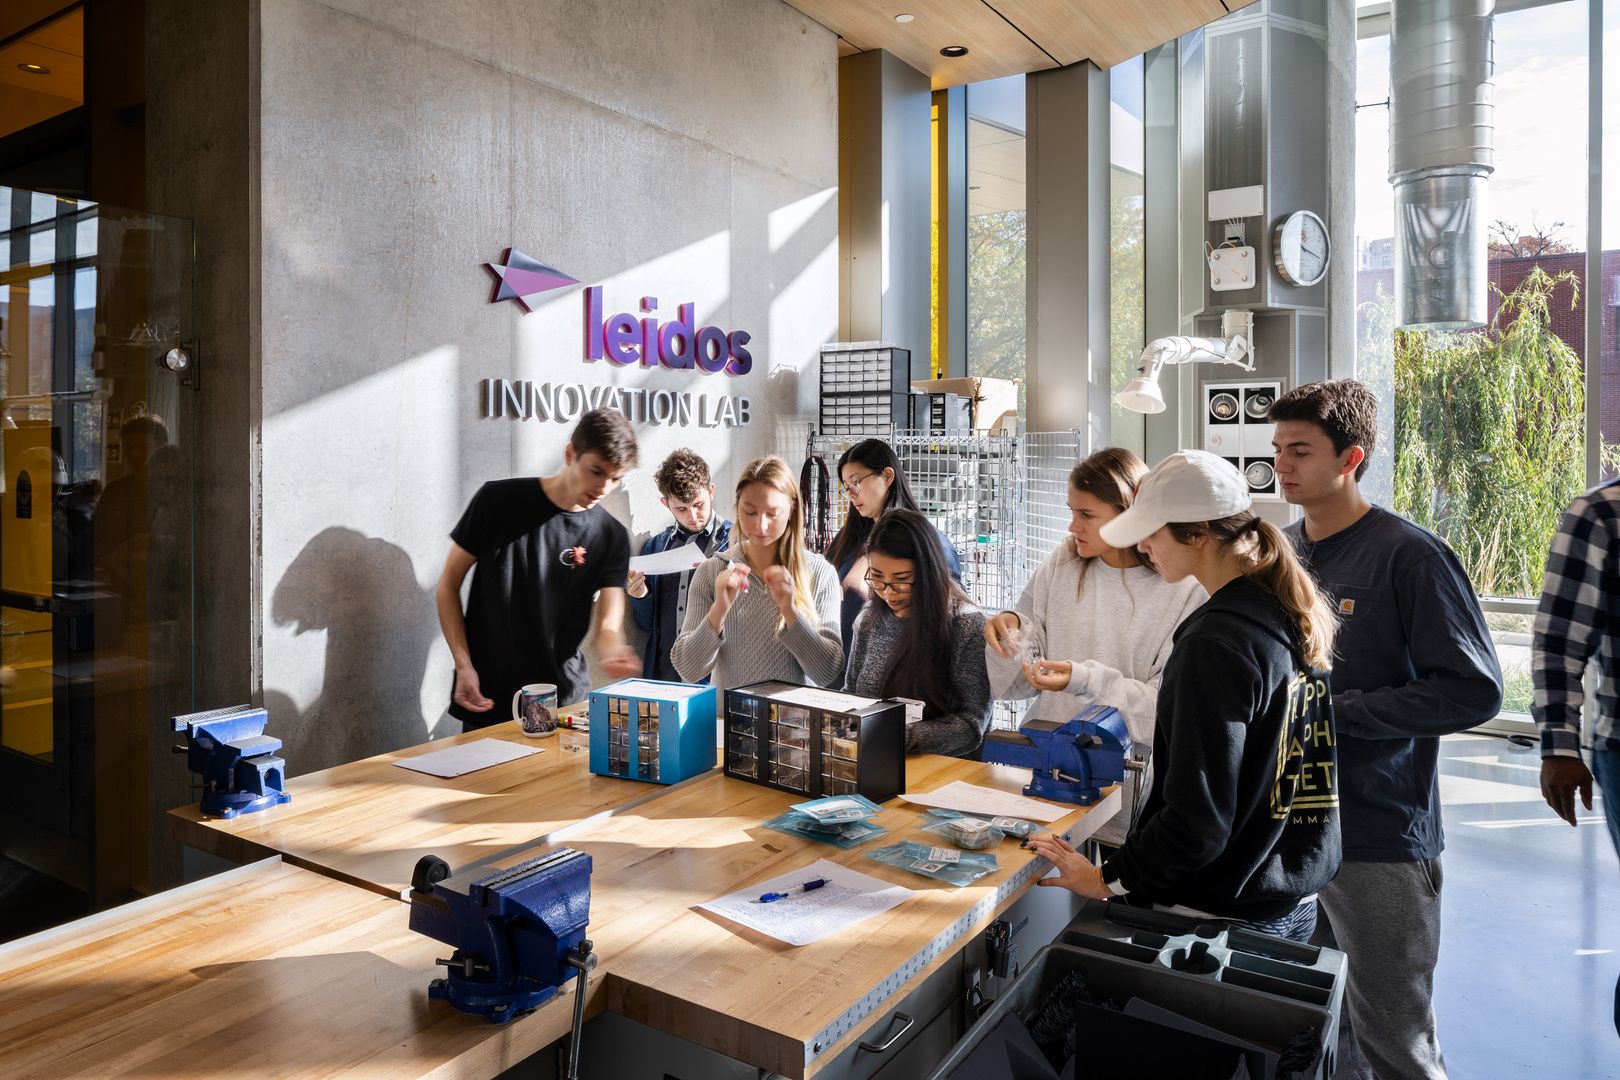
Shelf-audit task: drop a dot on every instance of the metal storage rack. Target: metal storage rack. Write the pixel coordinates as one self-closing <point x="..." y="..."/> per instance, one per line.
<point x="1002" y="500"/>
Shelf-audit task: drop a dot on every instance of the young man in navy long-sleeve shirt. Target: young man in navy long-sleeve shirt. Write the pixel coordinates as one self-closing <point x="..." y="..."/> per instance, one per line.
<point x="1414" y="661"/>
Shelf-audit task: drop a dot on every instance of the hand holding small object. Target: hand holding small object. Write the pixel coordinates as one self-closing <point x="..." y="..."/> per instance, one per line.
<point x="728" y="585"/>
<point x="780" y="582"/>
<point x="636" y="584"/>
<point x="1001" y="633"/>
<point x="1050" y="675"/>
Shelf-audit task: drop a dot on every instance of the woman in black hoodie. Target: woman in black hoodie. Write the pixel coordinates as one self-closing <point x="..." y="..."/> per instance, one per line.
<point x="1242" y="819"/>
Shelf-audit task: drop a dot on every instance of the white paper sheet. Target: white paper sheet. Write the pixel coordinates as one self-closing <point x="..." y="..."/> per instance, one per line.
<point x="641" y="688"/>
<point x="468" y="757"/>
<point x="848" y="897"/>
<point x="817" y="698"/>
<point x="671" y="561"/>
<point x="987" y="802"/>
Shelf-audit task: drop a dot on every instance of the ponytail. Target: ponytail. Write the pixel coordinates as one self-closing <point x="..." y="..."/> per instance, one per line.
<point x="1268" y="560"/>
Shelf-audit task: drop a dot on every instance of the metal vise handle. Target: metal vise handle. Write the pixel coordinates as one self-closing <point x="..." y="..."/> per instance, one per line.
<point x="583" y="959"/>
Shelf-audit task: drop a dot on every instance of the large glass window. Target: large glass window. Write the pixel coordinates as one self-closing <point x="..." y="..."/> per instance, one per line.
<point x="1607" y="292"/>
<point x="1485" y="437"/>
<point x="1127" y="243"/>
<point x="996" y="228"/>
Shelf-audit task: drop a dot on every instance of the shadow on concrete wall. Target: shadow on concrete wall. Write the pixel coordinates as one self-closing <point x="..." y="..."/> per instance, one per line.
<point x="380" y="625"/>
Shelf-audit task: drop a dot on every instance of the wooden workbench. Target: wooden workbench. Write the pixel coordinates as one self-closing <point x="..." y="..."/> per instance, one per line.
<point x="368" y="822"/>
<point x="657" y="852"/>
<point x="789" y="1010"/>
<point x="266" y="970"/>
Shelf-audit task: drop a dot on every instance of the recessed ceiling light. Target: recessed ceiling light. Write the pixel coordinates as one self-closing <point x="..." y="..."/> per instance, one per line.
<point x="34" y="69"/>
<point x="904" y="18"/>
<point x="953" y="51"/>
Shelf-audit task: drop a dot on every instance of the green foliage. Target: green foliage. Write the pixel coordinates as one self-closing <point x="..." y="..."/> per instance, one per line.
<point x="995" y="286"/>
<point x="1127" y="314"/>
<point x="1490" y="436"/>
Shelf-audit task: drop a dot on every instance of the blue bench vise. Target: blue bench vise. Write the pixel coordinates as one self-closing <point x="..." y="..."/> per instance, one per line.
<point x="1072" y="761"/>
<point x="238" y="763"/>
<point x="518" y="933"/>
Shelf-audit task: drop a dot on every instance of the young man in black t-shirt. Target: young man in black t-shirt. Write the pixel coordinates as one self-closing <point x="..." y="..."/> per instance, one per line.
<point x="1414" y="662"/>
<point x="540" y="550"/>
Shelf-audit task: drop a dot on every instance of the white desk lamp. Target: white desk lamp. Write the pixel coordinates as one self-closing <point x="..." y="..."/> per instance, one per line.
<point x="1142" y="393"/>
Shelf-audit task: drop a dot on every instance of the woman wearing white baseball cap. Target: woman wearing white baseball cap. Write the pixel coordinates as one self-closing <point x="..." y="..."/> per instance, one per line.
<point x="1241" y="821"/>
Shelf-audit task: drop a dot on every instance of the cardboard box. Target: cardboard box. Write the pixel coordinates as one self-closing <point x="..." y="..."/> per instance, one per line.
<point x="993" y="400"/>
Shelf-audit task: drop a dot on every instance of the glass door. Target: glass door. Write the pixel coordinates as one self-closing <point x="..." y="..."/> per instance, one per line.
<point x="95" y="531"/>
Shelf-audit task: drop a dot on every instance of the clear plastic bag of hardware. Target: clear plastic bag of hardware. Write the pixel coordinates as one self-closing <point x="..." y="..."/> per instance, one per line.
<point x="939" y="863"/>
<point x="839" y="808"/>
<point x="844" y="834"/>
<point x="970" y="833"/>
<point x="1014" y="827"/>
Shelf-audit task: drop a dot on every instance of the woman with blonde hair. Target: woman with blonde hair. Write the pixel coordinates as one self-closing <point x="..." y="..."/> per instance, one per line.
<point x="766" y="607"/>
<point x="1241" y="820"/>
<point x="1093" y="625"/>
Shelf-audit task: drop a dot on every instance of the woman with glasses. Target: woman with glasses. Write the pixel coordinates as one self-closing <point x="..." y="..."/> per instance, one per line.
<point x="920" y="637"/>
<point x="872" y="478"/>
<point x="1093" y="625"/>
<point x="766" y="607"/>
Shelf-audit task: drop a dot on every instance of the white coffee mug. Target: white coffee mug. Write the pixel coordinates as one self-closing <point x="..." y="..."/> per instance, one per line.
<point x="535" y="708"/>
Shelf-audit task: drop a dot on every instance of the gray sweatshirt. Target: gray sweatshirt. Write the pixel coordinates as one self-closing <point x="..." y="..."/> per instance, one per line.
<point x="873" y="644"/>
<point x="753" y="649"/>
<point x="1115" y="631"/>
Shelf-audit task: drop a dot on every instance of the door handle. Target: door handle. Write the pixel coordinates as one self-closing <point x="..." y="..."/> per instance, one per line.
<point x="894" y="1036"/>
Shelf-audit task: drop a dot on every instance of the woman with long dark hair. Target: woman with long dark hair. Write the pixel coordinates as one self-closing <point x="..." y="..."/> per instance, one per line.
<point x="1098" y="617"/>
<point x="1241" y="821"/>
<point x="920" y="637"/>
<point x="874" y="481"/>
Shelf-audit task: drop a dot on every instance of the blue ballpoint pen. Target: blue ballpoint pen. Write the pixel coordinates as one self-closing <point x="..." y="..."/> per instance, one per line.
<point x="809" y="886"/>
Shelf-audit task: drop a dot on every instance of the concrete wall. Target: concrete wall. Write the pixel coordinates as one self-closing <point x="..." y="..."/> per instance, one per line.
<point x="685" y="151"/>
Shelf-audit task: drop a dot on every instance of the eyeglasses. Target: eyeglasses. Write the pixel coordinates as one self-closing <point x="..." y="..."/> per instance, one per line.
<point x="898" y="588"/>
<point x="850" y="486"/>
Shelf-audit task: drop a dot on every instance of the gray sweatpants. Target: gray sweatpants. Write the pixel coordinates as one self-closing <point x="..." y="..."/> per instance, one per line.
<point x="1386" y="919"/>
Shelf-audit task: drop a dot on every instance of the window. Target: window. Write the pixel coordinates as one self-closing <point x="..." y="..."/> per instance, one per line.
<point x="1127" y="245"/>
<point x="995" y="229"/>
<point x="1484" y="431"/>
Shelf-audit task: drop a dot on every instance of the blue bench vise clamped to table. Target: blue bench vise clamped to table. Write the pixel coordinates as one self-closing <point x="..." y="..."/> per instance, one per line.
<point x="518" y="933"/>
<point x="1072" y="761"/>
<point x="238" y="763"/>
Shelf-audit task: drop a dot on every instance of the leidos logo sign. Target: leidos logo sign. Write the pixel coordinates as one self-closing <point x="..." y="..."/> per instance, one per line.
<point x="622" y="340"/>
<point x="680" y="343"/>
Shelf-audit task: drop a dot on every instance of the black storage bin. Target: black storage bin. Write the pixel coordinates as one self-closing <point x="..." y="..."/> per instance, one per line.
<point x="941" y="414"/>
<point x="814" y="751"/>
<point x="857" y="414"/>
<point x="1238" y="996"/>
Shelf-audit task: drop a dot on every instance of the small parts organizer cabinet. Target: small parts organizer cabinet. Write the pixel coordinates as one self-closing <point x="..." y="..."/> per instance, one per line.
<point x="815" y="742"/>
<point x="661" y="732"/>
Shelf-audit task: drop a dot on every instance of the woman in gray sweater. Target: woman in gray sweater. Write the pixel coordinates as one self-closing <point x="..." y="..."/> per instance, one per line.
<point x="766" y="607"/>
<point x="920" y="637"/>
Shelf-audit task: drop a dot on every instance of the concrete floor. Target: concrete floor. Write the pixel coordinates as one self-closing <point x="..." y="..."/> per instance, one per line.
<point x="1531" y="945"/>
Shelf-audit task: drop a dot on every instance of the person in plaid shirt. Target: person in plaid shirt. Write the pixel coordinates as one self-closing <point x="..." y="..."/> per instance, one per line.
<point x="1579" y="617"/>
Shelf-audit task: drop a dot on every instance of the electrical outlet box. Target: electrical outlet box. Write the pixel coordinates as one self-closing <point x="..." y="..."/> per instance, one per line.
<point x="1236" y="428"/>
<point x="1231" y="268"/>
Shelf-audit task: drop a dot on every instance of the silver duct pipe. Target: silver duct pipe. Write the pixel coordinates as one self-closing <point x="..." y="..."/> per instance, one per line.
<point x="1441" y="136"/>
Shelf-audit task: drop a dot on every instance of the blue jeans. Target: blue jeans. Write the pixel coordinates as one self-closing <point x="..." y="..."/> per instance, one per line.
<point x="1297" y="925"/>
<point x="1606" y="770"/>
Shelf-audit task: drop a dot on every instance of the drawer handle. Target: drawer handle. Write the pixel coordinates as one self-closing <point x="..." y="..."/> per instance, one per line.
<point x="894" y="1036"/>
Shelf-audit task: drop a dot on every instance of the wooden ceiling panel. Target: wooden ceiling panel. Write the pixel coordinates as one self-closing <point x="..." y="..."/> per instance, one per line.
<point x="995" y="46"/>
<point x="1011" y="37"/>
<point x="1107" y="32"/>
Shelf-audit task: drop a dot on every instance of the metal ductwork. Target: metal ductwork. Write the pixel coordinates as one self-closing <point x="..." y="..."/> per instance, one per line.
<point x="1441" y="150"/>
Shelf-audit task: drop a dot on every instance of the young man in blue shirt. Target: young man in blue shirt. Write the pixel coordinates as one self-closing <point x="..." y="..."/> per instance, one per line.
<point x="659" y="602"/>
<point x="1414" y="661"/>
